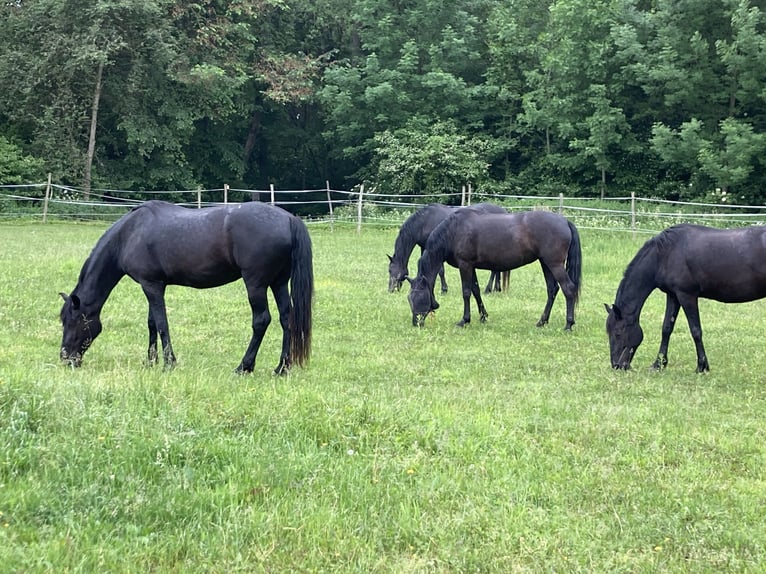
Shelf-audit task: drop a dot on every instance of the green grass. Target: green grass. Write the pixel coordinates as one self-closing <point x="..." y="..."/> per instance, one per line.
<point x="496" y="448"/>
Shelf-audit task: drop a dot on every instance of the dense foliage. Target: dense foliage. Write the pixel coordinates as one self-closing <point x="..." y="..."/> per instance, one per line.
<point x="662" y="97"/>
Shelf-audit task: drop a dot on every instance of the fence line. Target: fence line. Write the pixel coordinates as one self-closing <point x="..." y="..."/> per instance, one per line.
<point x="370" y="208"/>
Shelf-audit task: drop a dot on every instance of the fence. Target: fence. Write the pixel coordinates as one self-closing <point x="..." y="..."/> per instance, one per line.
<point x="45" y="201"/>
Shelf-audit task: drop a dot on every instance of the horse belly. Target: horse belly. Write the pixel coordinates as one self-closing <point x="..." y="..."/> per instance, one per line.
<point x="503" y="257"/>
<point x="735" y="293"/>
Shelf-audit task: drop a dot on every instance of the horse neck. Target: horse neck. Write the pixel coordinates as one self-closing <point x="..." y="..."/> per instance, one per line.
<point x="403" y="246"/>
<point x="100" y="273"/>
<point x="430" y="263"/>
<point x="638" y="283"/>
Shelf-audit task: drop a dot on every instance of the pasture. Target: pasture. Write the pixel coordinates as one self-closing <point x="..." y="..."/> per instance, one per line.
<point x="500" y="447"/>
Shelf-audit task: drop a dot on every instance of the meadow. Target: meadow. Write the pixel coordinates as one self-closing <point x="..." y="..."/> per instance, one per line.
<point x="500" y="447"/>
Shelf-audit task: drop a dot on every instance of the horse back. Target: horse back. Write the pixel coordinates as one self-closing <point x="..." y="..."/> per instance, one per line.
<point x="206" y="247"/>
<point x="508" y="241"/>
<point x="727" y="265"/>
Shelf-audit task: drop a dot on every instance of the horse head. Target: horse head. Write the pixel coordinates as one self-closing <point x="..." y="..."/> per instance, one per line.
<point x="396" y="274"/>
<point x="421" y="299"/>
<point x="81" y="327"/>
<point x="624" y="337"/>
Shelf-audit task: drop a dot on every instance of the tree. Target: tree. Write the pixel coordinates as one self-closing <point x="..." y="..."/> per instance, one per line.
<point x="422" y="61"/>
<point x="16" y="167"/>
<point x="428" y="160"/>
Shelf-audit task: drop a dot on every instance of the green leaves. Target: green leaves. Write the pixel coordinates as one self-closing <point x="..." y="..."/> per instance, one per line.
<point x="16" y="166"/>
<point x="430" y="160"/>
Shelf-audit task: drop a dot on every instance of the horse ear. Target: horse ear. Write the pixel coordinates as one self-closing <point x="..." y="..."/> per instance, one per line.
<point x="64" y="296"/>
<point x="75" y="302"/>
<point x="615" y="310"/>
<point x="410" y="281"/>
<point x="390" y="259"/>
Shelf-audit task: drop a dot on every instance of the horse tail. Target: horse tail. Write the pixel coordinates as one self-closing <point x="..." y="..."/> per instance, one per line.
<point x="574" y="260"/>
<point x="301" y="292"/>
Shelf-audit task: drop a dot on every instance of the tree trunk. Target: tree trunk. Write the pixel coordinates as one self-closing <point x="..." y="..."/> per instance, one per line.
<point x="92" y="135"/>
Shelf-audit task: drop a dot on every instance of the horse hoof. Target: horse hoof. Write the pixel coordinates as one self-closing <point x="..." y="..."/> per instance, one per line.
<point x="283" y="368"/>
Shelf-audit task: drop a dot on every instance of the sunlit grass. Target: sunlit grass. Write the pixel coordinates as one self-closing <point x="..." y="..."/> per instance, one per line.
<point x="495" y="448"/>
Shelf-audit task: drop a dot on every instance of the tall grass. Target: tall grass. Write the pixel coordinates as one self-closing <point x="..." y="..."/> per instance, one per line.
<point x="496" y="448"/>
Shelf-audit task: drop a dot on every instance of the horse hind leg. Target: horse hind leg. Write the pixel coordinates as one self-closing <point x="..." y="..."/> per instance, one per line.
<point x="477" y="295"/>
<point x="261" y="319"/>
<point x="151" y="353"/>
<point x="282" y="297"/>
<point x="506" y="280"/>
<point x="494" y="282"/>
<point x="552" y="288"/>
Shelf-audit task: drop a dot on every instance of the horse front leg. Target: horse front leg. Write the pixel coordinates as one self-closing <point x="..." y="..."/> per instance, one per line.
<point x="442" y="278"/>
<point x="282" y="297"/>
<point x="467" y="288"/>
<point x="158" y="323"/>
<point x="470" y="286"/>
<point x="691" y="310"/>
<point x="672" y="307"/>
<point x="259" y="305"/>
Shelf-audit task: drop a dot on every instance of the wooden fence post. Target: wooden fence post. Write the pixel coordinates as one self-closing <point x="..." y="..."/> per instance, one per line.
<point x="199" y="198"/>
<point x="561" y="204"/>
<point x="633" y="213"/>
<point x="359" y="210"/>
<point x="225" y="193"/>
<point x="47" y="199"/>
<point x="470" y="192"/>
<point x="271" y="189"/>
<point x="462" y="196"/>
<point x="329" y="203"/>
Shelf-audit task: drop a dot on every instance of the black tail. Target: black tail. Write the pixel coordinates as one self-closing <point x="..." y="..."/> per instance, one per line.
<point x="301" y="293"/>
<point x="574" y="260"/>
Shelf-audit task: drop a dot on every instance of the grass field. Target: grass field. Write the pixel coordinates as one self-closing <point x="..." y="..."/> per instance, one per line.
<point x="496" y="448"/>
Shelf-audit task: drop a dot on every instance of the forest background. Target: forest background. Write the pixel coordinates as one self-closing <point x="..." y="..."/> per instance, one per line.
<point x="665" y="98"/>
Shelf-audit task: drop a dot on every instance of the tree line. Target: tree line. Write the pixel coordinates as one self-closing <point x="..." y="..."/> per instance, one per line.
<point x="666" y="98"/>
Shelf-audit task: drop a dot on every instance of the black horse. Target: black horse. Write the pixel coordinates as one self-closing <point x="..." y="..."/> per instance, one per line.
<point x="686" y="262"/>
<point x="468" y="240"/>
<point x="159" y="244"/>
<point x="415" y="231"/>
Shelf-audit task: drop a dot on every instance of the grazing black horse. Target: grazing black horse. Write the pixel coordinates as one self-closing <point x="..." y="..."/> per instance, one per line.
<point x="686" y="262"/>
<point x="468" y="240"/>
<point x="415" y="231"/>
<point x="159" y="244"/>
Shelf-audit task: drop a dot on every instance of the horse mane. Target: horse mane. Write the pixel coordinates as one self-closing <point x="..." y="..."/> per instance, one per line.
<point x="102" y="258"/>
<point x="651" y="249"/>
<point x="406" y="240"/>
<point x="438" y="244"/>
